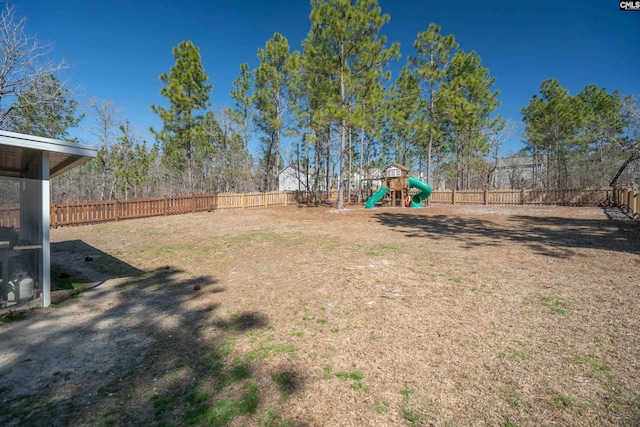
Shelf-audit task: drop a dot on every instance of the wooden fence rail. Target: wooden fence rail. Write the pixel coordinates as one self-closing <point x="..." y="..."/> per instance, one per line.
<point x="115" y="210"/>
<point x="521" y="197"/>
<point x="628" y="200"/>
<point x="91" y="212"/>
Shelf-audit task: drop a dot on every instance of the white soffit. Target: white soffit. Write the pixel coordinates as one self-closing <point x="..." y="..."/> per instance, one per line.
<point x="17" y="152"/>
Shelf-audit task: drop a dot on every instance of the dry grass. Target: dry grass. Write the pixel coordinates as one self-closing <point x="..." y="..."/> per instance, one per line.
<point x="439" y="316"/>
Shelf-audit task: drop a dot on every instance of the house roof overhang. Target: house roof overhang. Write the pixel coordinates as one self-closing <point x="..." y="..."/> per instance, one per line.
<point x="18" y="151"/>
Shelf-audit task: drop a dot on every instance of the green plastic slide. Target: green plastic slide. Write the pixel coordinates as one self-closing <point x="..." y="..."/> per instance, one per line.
<point x="425" y="191"/>
<point x="374" y="199"/>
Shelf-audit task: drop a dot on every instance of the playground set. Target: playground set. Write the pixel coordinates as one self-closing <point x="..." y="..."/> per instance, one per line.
<point x="396" y="184"/>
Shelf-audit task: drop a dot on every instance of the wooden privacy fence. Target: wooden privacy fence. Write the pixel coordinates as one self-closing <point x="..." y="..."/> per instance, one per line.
<point x="91" y="212"/>
<point x="115" y="210"/>
<point x="10" y="215"/>
<point x="521" y="197"/>
<point x="628" y="200"/>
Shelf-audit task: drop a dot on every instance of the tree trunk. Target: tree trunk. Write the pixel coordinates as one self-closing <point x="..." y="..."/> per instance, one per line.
<point x="361" y="158"/>
<point x="328" y="162"/>
<point x="632" y="158"/>
<point x="343" y="130"/>
<point x="349" y="168"/>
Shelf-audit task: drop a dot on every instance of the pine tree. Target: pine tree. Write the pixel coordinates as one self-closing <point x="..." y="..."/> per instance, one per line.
<point x="345" y="45"/>
<point x="430" y="64"/>
<point x="242" y="97"/>
<point x="271" y="101"/>
<point x="187" y="91"/>
<point x="467" y="99"/>
<point x="46" y="109"/>
<point x="551" y="126"/>
<point x="131" y="160"/>
<point x="406" y="118"/>
<point x="601" y="133"/>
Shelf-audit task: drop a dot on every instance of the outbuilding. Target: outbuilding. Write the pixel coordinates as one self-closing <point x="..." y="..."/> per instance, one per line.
<point x="27" y="164"/>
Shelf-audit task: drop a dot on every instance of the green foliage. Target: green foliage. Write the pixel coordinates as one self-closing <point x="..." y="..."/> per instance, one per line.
<point x="241" y="95"/>
<point x="430" y="65"/>
<point x="575" y="133"/>
<point x="512" y="397"/>
<point x="457" y="107"/>
<point x="598" y="368"/>
<point x="412" y="417"/>
<point x="266" y="348"/>
<point x="73" y="285"/>
<point x="561" y="401"/>
<point x="271" y="100"/>
<point x="45" y="109"/>
<point x="381" y="249"/>
<point x="328" y="372"/>
<point x="343" y="49"/>
<point x="187" y="90"/>
<point x="600" y="138"/>
<point x="556" y="305"/>
<point x="515" y="354"/>
<point x="406" y="119"/>
<point x="286" y="383"/>
<point x="223" y="411"/>
<point x="382" y="406"/>
<point x="12" y="316"/>
<point x="551" y="126"/>
<point x="209" y="407"/>
<point x="468" y="102"/>
<point x="272" y="419"/>
<point x="130" y="161"/>
<point x="356" y="378"/>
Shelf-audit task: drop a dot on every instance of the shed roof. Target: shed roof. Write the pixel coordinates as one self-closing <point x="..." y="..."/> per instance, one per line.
<point x="18" y="151"/>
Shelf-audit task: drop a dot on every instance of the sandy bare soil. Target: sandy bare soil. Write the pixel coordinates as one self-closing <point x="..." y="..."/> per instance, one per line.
<point x="447" y="315"/>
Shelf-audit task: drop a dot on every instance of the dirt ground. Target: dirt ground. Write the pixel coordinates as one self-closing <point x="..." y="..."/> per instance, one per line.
<point x="296" y="316"/>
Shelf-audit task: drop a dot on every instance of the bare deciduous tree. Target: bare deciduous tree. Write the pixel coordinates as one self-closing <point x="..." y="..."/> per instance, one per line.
<point x="104" y="115"/>
<point x="24" y="62"/>
<point x="632" y="141"/>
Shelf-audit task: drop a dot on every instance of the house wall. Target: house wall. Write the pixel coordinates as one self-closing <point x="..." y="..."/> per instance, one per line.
<point x="291" y="179"/>
<point x="515" y="173"/>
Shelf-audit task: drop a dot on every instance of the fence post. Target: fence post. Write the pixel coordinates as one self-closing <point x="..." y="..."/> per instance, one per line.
<point x="523" y="196"/>
<point x="53" y="216"/>
<point x="453" y="197"/>
<point x="486" y="197"/>
<point x="193" y="204"/>
<point x="242" y="201"/>
<point x="116" y="209"/>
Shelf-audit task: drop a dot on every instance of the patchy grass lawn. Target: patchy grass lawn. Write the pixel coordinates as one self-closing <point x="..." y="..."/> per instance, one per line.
<point x="448" y="315"/>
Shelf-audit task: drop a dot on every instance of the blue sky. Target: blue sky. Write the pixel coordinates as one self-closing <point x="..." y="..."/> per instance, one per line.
<point x="117" y="49"/>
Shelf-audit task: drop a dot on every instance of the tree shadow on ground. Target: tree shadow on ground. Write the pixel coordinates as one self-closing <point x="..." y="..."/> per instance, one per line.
<point x="551" y="236"/>
<point x="78" y="255"/>
<point x="150" y="349"/>
<point x="78" y="267"/>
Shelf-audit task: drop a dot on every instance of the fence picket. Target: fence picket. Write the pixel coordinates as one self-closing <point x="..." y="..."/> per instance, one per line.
<point x="87" y="212"/>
